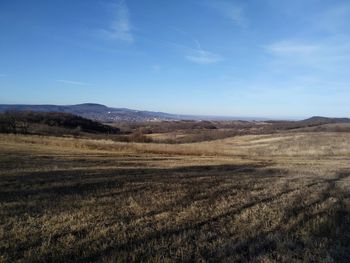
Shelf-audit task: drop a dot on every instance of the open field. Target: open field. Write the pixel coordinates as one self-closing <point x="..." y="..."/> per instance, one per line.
<point x="259" y="198"/>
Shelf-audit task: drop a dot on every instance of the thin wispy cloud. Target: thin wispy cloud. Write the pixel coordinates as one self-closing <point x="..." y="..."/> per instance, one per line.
<point x="313" y="68"/>
<point x="120" y="28"/>
<point x="203" y="57"/>
<point x="197" y="54"/>
<point x="326" y="54"/>
<point x="229" y="10"/>
<point x="288" y="48"/>
<point x="73" y="82"/>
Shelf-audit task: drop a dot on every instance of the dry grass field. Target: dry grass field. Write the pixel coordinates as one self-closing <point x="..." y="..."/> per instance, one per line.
<point x="255" y="198"/>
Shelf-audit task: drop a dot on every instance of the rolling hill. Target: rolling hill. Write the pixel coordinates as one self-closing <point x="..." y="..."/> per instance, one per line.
<point x="103" y="113"/>
<point x="94" y="111"/>
<point x="51" y="123"/>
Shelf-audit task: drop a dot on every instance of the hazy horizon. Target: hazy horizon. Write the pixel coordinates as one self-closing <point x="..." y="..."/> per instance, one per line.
<point x="196" y="116"/>
<point x="269" y="59"/>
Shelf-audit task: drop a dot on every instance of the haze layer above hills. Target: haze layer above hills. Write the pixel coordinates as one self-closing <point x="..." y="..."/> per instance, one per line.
<point x="103" y="113"/>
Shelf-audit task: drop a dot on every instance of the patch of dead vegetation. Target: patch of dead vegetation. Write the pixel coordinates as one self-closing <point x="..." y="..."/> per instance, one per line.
<point x="267" y="198"/>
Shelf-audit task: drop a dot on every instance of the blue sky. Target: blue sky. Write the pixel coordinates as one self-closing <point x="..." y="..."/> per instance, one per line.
<point x="269" y="58"/>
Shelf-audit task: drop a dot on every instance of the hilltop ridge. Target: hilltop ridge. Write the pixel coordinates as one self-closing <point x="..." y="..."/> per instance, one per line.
<point x="103" y="113"/>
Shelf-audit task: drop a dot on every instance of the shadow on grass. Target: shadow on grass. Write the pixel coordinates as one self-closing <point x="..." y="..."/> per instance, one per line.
<point x="301" y="228"/>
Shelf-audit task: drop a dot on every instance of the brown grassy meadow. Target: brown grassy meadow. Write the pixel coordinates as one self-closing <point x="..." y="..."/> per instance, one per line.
<point x="254" y="198"/>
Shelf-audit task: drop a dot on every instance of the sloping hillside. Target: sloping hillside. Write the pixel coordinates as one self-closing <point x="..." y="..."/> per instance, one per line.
<point x="103" y="113"/>
<point x="50" y="123"/>
<point x="94" y="111"/>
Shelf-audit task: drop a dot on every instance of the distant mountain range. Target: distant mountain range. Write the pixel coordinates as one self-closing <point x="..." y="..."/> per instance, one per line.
<point x="94" y="111"/>
<point x="318" y="120"/>
<point x="103" y="113"/>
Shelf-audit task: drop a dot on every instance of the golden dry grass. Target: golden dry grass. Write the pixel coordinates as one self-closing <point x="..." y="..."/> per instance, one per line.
<point x="267" y="198"/>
